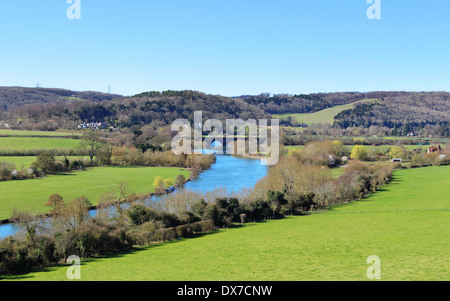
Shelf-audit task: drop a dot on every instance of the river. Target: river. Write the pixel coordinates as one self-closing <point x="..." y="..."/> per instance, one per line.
<point x="230" y="173"/>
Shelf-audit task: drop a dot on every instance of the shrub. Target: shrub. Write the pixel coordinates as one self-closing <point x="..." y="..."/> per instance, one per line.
<point x="140" y="214"/>
<point x="359" y="152"/>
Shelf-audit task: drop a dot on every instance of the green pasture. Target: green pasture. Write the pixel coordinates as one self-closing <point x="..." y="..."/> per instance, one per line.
<point x="323" y="116"/>
<point x="30" y="143"/>
<point x="33" y="194"/>
<point x="18" y="133"/>
<point x="19" y="162"/>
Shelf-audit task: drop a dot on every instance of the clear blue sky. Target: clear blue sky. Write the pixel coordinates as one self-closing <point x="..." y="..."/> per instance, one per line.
<point x="228" y="47"/>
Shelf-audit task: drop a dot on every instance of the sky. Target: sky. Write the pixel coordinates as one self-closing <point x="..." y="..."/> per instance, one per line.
<point x="227" y="47"/>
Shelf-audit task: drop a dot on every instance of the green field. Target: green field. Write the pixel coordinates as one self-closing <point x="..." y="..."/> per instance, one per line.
<point x="20" y="162"/>
<point x="29" y="143"/>
<point x="406" y="224"/>
<point x="323" y="116"/>
<point x="16" y="133"/>
<point x="32" y="195"/>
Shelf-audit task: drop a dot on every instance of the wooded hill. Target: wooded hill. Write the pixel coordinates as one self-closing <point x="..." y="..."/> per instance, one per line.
<point x="402" y="111"/>
<point x="13" y="97"/>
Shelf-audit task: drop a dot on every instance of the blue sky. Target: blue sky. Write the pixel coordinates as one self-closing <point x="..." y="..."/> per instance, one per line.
<point x="226" y="47"/>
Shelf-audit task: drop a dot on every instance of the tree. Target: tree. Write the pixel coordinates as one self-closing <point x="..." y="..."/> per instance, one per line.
<point x="30" y="222"/>
<point x="260" y="210"/>
<point x="104" y="154"/>
<point x="92" y="143"/>
<point x="180" y="181"/>
<point x="45" y="162"/>
<point x="195" y="167"/>
<point x="139" y="214"/>
<point x="168" y="182"/>
<point x="359" y="152"/>
<point x="157" y="182"/>
<point x="275" y="199"/>
<point x="397" y="152"/>
<point x="54" y="201"/>
<point x="74" y="212"/>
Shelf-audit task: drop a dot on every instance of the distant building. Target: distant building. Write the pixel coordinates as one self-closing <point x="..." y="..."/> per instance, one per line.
<point x="93" y="125"/>
<point x="397" y="160"/>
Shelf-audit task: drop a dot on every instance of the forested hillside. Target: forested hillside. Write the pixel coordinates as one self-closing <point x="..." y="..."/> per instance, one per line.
<point x="397" y="113"/>
<point x="13" y="97"/>
<point x="157" y="108"/>
<point x="402" y="112"/>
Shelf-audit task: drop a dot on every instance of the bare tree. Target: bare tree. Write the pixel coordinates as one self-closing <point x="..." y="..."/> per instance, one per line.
<point x="91" y="142"/>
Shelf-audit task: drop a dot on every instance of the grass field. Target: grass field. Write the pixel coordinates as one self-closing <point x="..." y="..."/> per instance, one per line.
<point x="16" y="133"/>
<point x="29" y="143"/>
<point x="323" y="116"/>
<point x="406" y="224"/>
<point x="20" y="162"/>
<point x="32" y="195"/>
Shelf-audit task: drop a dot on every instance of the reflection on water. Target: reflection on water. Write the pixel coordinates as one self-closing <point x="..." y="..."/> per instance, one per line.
<point x="229" y="173"/>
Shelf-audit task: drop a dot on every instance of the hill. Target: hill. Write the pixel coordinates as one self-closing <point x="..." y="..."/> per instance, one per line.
<point x="159" y="108"/>
<point x="323" y="116"/>
<point x="13" y="97"/>
<point x="395" y="113"/>
<point x="405" y="112"/>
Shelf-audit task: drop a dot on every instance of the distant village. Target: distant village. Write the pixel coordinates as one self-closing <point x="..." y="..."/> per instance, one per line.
<point x="96" y="126"/>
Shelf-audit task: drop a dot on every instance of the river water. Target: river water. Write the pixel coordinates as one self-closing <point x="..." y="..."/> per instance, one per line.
<point x="230" y="173"/>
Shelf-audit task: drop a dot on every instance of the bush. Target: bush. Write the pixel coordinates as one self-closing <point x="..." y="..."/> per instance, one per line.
<point x="359" y="152"/>
<point x="140" y="214"/>
<point x="18" y="256"/>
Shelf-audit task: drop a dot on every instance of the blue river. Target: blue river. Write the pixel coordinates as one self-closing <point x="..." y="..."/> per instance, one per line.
<point x="230" y="173"/>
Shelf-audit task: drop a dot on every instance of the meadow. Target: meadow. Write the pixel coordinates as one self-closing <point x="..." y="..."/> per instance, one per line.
<point x="19" y="161"/>
<point x="30" y="143"/>
<point x="323" y="116"/>
<point x="17" y="133"/>
<point x="32" y="195"/>
<point x="406" y="224"/>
